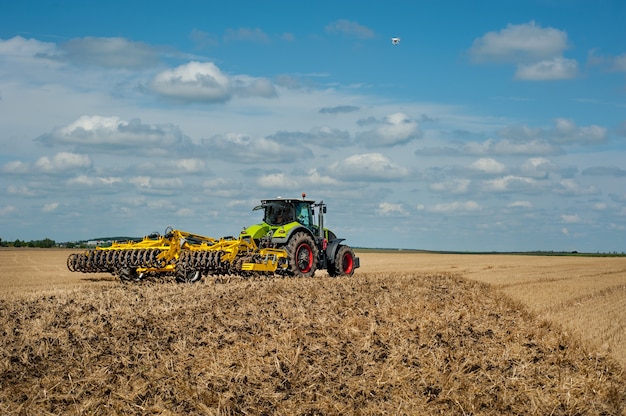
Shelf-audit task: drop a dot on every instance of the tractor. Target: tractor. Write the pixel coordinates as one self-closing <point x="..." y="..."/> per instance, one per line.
<point x="287" y="242"/>
<point x="288" y="224"/>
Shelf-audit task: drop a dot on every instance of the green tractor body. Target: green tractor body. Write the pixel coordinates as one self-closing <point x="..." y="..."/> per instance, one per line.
<point x="290" y="224"/>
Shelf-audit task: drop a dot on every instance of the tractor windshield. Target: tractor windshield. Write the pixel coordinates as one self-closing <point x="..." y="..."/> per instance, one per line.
<point x="277" y="213"/>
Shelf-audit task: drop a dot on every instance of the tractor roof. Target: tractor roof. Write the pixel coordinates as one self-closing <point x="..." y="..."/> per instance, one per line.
<point x="286" y="200"/>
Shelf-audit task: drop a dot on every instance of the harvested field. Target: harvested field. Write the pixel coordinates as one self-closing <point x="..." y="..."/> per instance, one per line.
<point x="408" y="334"/>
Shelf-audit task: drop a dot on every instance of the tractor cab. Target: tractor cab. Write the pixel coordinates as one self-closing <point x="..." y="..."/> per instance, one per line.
<point x="280" y="212"/>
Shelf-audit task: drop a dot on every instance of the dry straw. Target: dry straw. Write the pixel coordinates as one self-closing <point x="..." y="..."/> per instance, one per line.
<point x="377" y="343"/>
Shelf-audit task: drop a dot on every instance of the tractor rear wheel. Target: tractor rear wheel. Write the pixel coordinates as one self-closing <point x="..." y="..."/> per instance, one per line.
<point x="343" y="264"/>
<point x="303" y="254"/>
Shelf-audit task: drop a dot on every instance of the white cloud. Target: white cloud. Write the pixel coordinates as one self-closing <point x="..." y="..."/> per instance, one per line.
<point x="147" y="182"/>
<point x="396" y="129"/>
<point x="15" y="166"/>
<point x="278" y="181"/>
<point x="243" y="148"/>
<point x="488" y="165"/>
<point x="386" y="208"/>
<point x="52" y="206"/>
<point x="311" y="179"/>
<point x="6" y="210"/>
<point x="570" y="219"/>
<point x="59" y="163"/>
<point x="368" y="167"/>
<point x="114" y="134"/>
<point x="195" y="81"/>
<point x="84" y="180"/>
<point x="573" y="188"/>
<point x="566" y="131"/>
<point x="452" y="186"/>
<point x="519" y="43"/>
<point x="510" y="183"/>
<point x="62" y="162"/>
<point x="537" y="167"/>
<point x="205" y="82"/>
<point x="520" y="204"/>
<point x="455" y="207"/>
<point x="185" y="212"/>
<point x="22" y="190"/>
<point x="508" y="147"/>
<point x="548" y="70"/>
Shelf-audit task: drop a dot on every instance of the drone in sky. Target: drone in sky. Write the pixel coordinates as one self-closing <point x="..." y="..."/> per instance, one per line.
<point x="395" y="41"/>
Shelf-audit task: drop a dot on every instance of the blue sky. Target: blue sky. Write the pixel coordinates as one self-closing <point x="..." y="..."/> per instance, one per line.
<point x="491" y="126"/>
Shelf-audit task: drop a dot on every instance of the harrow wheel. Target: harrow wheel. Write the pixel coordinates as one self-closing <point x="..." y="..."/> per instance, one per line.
<point x="128" y="274"/>
<point x="303" y="254"/>
<point x="188" y="276"/>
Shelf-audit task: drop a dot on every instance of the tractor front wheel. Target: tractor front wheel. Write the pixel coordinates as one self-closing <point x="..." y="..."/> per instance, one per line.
<point x="303" y="254"/>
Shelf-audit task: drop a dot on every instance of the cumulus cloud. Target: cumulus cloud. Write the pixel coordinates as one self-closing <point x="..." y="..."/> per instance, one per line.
<point x="570" y="187"/>
<point x="520" y="204"/>
<point x="548" y="70"/>
<point x="515" y="43"/>
<point x="60" y="163"/>
<point x="115" y="134"/>
<point x="243" y="148"/>
<point x="510" y="183"/>
<point x="509" y="147"/>
<point x="536" y="51"/>
<point x="387" y="209"/>
<point x="21" y="190"/>
<point x="488" y="165"/>
<point x="156" y="185"/>
<point x="455" y="207"/>
<point x="566" y="131"/>
<point x="350" y="28"/>
<point x="244" y="86"/>
<point x="537" y="167"/>
<point x="193" y="82"/>
<point x="6" y="210"/>
<point x="453" y="186"/>
<point x="368" y="167"/>
<point x="318" y="136"/>
<point x="290" y="182"/>
<point x="50" y="207"/>
<point x="570" y="219"/>
<point x="91" y="181"/>
<point x="395" y="129"/>
<point x="205" y="82"/>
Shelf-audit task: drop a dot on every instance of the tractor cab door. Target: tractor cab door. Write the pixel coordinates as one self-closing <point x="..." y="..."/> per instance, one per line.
<point x="304" y="215"/>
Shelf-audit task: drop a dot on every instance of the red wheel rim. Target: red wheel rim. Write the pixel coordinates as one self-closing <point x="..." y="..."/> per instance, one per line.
<point x="304" y="258"/>
<point x="347" y="263"/>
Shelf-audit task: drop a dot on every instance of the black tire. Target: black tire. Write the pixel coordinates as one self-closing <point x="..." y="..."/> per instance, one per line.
<point x="188" y="276"/>
<point x="303" y="255"/>
<point x="343" y="264"/>
<point x="128" y="274"/>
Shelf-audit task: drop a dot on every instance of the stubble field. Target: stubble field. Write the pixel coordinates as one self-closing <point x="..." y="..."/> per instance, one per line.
<point x="407" y="334"/>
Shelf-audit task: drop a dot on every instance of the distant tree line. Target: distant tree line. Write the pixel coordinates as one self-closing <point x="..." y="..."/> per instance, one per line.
<point x="45" y="243"/>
